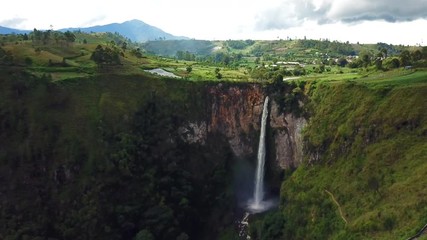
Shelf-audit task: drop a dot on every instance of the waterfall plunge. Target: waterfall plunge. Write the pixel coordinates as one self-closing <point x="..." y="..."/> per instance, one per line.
<point x="259" y="177"/>
<point x="257" y="204"/>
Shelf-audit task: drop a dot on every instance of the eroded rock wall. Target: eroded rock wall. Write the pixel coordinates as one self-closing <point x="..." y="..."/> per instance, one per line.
<point x="287" y="134"/>
<point x="235" y="111"/>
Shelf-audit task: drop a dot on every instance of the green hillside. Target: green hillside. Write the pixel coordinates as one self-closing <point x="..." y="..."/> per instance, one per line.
<point x="66" y="55"/>
<point x="365" y="164"/>
<point x="90" y="145"/>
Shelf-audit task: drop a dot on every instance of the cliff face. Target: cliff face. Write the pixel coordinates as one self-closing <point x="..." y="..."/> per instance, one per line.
<point x="232" y="112"/>
<point x="288" y="142"/>
<point x="235" y="112"/>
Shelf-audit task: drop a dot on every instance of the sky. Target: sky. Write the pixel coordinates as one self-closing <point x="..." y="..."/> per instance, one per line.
<point x="364" y="21"/>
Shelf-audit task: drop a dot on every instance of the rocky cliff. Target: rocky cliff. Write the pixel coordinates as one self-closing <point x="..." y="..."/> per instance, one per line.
<point x="287" y="135"/>
<point x="235" y="112"/>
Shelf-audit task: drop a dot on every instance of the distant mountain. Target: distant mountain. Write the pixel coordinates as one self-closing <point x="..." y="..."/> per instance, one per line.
<point x="135" y="30"/>
<point x="5" y="30"/>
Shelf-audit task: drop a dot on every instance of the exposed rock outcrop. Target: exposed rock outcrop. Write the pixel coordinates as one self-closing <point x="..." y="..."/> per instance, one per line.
<point x="194" y="132"/>
<point x="287" y="134"/>
<point x="231" y="111"/>
<point x="235" y="112"/>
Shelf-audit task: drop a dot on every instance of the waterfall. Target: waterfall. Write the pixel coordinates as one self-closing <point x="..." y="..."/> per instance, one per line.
<point x="259" y="177"/>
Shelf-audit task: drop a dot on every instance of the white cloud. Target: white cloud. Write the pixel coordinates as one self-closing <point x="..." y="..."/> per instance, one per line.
<point x="292" y="13"/>
<point x="230" y="19"/>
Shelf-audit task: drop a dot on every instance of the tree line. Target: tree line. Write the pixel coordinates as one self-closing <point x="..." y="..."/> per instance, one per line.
<point x="382" y="61"/>
<point x="51" y="37"/>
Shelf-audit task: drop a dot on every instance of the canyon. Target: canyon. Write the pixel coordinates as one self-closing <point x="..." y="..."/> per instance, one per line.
<point x="120" y="157"/>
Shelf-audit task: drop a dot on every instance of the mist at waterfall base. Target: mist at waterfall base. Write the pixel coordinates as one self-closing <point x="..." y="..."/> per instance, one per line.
<point x="244" y="187"/>
<point x="253" y="193"/>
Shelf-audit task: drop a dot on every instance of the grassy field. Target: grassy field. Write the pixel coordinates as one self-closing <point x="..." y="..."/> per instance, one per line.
<point x="64" y="60"/>
<point x="77" y="63"/>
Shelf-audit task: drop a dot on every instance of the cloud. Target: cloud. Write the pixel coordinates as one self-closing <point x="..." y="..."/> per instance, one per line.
<point x="292" y="13"/>
<point x="13" y="22"/>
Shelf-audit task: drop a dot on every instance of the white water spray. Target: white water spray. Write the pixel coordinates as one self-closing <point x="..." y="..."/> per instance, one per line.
<point x="257" y="203"/>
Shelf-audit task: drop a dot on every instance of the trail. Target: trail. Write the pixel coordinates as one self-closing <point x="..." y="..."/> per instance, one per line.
<point x="421" y="232"/>
<point x="338" y="205"/>
<point x="290" y="78"/>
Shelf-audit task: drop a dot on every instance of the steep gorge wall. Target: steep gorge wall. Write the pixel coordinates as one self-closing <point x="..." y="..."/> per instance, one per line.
<point x="234" y="111"/>
<point x="287" y="135"/>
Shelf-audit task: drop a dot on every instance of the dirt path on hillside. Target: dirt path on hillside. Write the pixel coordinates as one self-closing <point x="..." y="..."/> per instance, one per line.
<point x="338" y="205"/>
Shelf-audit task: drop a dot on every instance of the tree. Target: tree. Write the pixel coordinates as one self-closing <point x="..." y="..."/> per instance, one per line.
<point x="69" y="37"/>
<point x="218" y="75"/>
<point x="298" y="71"/>
<point x="378" y="64"/>
<point x="226" y="60"/>
<point x="416" y="55"/>
<point x="57" y="36"/>
<point x="342" y="62"/>
<point x="393" y="63"/>
<point x="188" y="56"/>
<point x="321" y="68"/>
<point x="272" y="226"/>
<point x="97" y="55"/>
<point x="366" y="59"/>
<point x="278" y="79"/>
<point x="424" y="52"/>
<point x="124" y="46"/>
<point x="405" y="58"/>
<point x="355" y="64"/>
<point x="189" y="69"/>
<point x="384" y="52"/>
<point x="105" y="56"/>
<point x="137" y="52"/>
<point x="46" y="36"/>
<point x="379" y="61"/>
<point x="36" y="35"/>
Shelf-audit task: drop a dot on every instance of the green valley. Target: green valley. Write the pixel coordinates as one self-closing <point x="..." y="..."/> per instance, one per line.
<point x="93" y="146"/>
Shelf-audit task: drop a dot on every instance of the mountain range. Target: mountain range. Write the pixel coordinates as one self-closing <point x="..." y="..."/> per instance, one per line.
<point x="6" y="30"/>
<point x="135" y="30"/>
